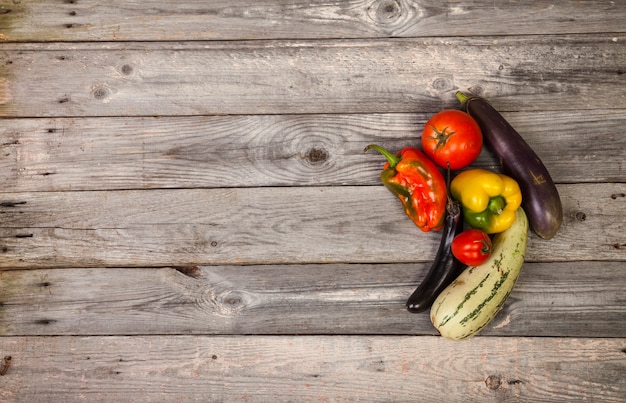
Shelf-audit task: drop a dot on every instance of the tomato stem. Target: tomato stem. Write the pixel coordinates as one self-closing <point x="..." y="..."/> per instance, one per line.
<point x="440" y="136"/>
<point x="484" y="250"/>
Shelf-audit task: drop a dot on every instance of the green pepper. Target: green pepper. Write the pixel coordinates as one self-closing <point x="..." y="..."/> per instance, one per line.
<point x="489" y="200"/>
<point x="418" y="183"/>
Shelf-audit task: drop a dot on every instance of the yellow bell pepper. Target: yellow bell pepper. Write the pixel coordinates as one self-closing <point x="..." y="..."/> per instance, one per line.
<point x="489" y="200"/>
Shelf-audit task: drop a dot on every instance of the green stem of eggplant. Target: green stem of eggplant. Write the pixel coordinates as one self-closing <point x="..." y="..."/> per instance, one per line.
<point x="461" y="97"/>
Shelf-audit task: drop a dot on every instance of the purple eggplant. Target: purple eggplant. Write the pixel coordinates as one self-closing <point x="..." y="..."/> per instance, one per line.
<point x="445" y="268"/>
<point x="540" y="197"/>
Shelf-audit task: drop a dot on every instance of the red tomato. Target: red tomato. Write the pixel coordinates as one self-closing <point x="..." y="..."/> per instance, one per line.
<point x="471" y="247"/>
<point x="452" y="136"/>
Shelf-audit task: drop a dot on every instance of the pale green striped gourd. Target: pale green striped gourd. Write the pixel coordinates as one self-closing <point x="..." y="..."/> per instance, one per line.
<point x="470" y="302"/>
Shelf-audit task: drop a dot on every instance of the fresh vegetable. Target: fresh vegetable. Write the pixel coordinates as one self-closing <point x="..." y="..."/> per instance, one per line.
<point x="541" y="197"/>
<point x="445" y="267"/>
<point x="489" y="200"/>
<point x="472" y="247"/>
<point x="419" y="185"/>
<point x="472" y="300"/>
<point x="452" y="137"/>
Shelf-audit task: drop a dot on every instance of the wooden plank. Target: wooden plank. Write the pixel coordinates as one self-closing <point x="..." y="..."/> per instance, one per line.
<point x="362" y="368"/>
<point x="568" y="299"/>
<point x="266" y="226"/>
<point x="116" y="165"/>
<point x="90" y="20"/>
<point x="272" y="150"/>
<point x="536" y="73"/>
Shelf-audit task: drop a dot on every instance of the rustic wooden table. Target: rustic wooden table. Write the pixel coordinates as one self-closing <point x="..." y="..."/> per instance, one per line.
<point x="186" y="212"/>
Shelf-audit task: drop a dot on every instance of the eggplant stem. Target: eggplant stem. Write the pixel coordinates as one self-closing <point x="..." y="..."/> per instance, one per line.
<point x="462" y="97"/>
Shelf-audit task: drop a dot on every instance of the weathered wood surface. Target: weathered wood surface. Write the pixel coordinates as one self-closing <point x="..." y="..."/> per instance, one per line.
<point x="296" y="368"/>
<point x="566" y="299"/>
<point x="184" y="190"/>
<point x="267" y="226"/>
<point x="91" y="20"/>
<point x="272" y="150"/>
<point x="535" y="73"/>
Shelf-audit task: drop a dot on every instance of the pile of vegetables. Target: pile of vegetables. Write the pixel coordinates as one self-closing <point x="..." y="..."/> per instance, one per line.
<point x="484" y="216"/>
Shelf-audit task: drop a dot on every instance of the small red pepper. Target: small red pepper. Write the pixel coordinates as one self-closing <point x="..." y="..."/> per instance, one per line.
<point x="418" y="183"/>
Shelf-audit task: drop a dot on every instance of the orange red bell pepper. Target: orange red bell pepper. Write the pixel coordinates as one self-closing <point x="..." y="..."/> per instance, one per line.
<point x="418" y="183"/>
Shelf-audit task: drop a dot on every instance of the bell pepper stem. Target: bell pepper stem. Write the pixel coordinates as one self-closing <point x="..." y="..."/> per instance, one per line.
<point x="391" y="157"/>
<point x="496" y="204"/>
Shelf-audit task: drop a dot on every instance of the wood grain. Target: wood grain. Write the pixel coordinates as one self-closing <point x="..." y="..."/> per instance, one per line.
<point x="150" y="20"/>
<point x="364" y="368"/>
<point x="266" y="226"/>
<point x="566" y="299"/>
<point x="537" y="73"/>
<point x="186" y="213"/>
<point x="272" y="150"/>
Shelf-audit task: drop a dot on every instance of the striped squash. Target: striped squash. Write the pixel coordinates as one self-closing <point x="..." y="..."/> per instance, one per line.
<point x="469" y="303"/>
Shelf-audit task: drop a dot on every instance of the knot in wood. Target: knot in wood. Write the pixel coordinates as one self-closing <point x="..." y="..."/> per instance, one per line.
<point x="231" y="302"/>
<point x="190" y="271"/>
<point x="100" y="93"/>
<point x="476" y="89"/>
<point x="6" y="363"/>
<point x="316" y="155"/>
<point x="442" y="84"/>
<point x="126" y="69"/>
<point x="386" y="11"/>
<point x="389" y="10"/>
<point x="493" y="382"/>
